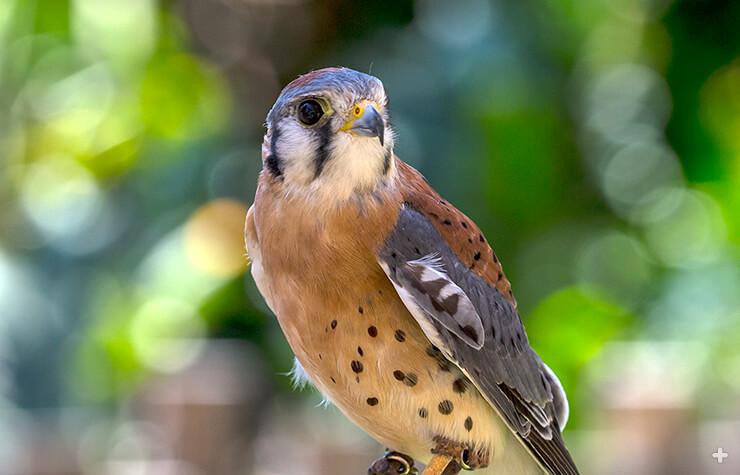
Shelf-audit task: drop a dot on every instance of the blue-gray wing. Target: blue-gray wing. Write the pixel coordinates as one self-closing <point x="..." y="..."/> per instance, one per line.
<point x="479" y="330"/>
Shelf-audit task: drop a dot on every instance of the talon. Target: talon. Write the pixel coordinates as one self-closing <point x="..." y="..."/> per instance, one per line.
<point x="393" y="463"/>
<point x="465" y="460"/>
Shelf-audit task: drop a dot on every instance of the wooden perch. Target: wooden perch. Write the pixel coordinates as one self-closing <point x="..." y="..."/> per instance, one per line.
<point x="442" y="464"/>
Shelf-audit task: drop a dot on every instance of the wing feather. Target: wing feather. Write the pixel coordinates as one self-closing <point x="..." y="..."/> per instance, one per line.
<point x="501" y="364"/>
<point x="443" y="300"/>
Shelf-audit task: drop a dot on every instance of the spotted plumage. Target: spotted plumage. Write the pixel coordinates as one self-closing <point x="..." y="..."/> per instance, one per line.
<point x="445" y="407"/>
<point x="396" y="307"/>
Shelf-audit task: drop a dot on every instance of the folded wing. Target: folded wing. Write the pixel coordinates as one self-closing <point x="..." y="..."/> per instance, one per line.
<point x="478" y="329"/>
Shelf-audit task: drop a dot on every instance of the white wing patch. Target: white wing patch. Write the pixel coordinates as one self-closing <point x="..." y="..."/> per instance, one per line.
<point x="428" y="292"/>
<point x="421" y="316"/>
<point x="559" y="399"/>
<point x="433" y="261"/>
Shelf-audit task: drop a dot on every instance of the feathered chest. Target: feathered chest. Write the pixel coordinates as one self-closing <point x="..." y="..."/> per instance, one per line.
<point x="312" y="252"/>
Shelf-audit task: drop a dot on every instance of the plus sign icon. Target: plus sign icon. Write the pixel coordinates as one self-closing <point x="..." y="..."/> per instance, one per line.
<point x="720" y="455"/>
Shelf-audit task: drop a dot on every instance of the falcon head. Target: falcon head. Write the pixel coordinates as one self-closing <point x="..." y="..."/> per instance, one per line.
<point x="328" y="132"/>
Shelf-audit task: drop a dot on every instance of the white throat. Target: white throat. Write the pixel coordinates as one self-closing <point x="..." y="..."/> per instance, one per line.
<point x="354" y="165"/>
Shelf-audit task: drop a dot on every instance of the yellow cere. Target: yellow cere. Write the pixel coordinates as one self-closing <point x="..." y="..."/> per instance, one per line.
<point x="357" y="112"/>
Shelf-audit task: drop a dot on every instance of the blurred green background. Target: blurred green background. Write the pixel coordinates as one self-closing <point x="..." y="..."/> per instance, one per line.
<point x="597" y="143"/>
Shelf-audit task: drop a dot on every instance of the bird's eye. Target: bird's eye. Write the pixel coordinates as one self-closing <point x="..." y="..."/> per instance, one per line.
<point x="309" y="112"/>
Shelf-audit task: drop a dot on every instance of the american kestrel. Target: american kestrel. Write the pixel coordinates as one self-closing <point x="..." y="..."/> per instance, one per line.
<point x="392" y="300"/>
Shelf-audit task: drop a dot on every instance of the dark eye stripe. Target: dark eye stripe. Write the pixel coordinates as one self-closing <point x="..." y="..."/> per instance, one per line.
<point x="322" y="152"/>
<point x="273" y="161"/>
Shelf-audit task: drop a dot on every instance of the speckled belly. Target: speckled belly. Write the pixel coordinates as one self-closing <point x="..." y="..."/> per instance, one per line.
<point x="369" y="357"/>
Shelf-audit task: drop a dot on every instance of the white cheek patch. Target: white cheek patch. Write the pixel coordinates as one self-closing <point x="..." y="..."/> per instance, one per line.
<point x="296" y="149"/>
<point x="355" y="163"/>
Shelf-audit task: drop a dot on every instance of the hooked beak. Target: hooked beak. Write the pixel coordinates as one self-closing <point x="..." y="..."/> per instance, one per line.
<point x="367" y="122"/>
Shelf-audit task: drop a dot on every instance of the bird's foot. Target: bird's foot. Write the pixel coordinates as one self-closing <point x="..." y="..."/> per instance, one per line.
<point x="450" y="457"/>
<point x="393" y="463"/>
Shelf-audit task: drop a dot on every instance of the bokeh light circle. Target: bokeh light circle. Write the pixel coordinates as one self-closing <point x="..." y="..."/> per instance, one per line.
<point x="167" y="334"/>
<point x="214" y="238"/>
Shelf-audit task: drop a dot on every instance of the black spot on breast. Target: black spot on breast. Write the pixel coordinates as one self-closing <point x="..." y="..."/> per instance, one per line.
<point x="372" y="331"/>
<point x="459" y="386"/>
<point x="481" y="238"/>
<point x="500" y="275"/>
<point x="399" y="375"/>
<point x="447" y="222"/>
<point x="468" y="424"/>
<point x="410" y="380"/>
<point x="400" y="335"/>
<point x="372" y="401"/>
<point x="476" y="256"/>
<point x="423" y="413"/>
<point x="464" y="224"/>
<point x="445" y="407"/>
<point x="360" y="352"/>
<point x="360" y="310"/>
<point x="333" y="324"/>
<point x="356" y="366"/>
<point x="333" y="380"/>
